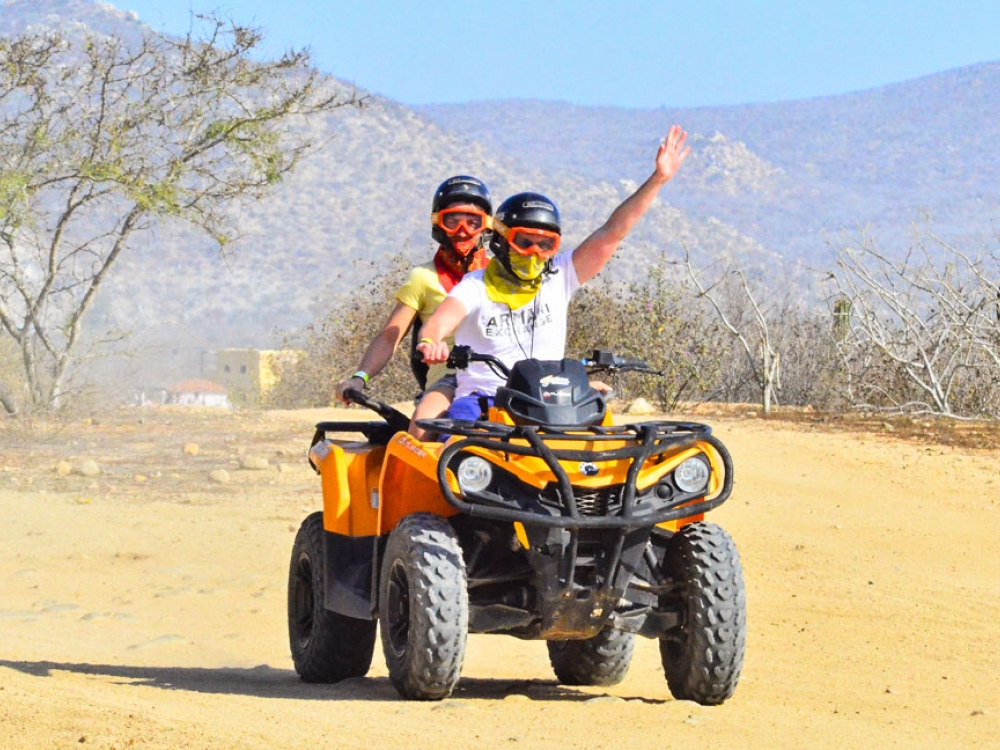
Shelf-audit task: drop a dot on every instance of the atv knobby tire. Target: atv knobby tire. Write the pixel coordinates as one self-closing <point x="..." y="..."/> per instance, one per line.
<point x="601" y="660"/>
<point x="702" y="658"/>
<point x="326" y="646"/>
<point x="423" y="607"/>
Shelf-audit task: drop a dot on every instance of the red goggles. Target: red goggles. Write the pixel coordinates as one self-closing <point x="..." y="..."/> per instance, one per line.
<point x="530" y="241"/>
<point x="452" y="220"/>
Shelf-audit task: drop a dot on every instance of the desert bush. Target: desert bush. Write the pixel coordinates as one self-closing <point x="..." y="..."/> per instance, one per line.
<point x="335" y="343"/>
<point x="802" y="336"/>
<point x="11" y="379"/>
<point x="811" y="372"/>
<point x="777" y="348"/>
<point x="659" y="319"/>
<point x="923" y="332"/>
<point x="653" y="320"/>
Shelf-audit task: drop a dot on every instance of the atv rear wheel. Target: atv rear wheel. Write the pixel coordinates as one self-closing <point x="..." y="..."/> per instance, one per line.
<point x="601" y="660"/>
<point x="326" y="646"/>
<point x="423" y="607"/>
<point x="702" y="658"/>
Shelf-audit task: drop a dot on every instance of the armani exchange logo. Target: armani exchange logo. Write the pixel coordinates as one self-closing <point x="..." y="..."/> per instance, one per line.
<point x="517" y="323"/>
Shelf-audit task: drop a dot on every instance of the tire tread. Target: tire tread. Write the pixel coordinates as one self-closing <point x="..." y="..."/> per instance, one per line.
<point x="338" y="646"/>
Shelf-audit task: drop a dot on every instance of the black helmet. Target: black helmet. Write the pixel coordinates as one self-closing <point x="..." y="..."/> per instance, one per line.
<point x="462" y="189"/>
<point x="523" y="210"/>
<point x="459" y="189"/>
<point x="530" y="210"/>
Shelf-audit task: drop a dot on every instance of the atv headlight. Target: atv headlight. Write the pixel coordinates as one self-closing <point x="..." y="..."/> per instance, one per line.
<point x="692" y="475"/>
<point x="474" y="474"/>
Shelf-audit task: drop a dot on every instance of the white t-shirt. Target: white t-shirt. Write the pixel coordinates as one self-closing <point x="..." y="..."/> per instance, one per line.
<point x="537" y="330"/>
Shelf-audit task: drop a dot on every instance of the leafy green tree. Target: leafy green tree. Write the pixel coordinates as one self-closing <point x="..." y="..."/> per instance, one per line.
<point x="102" y="138"/>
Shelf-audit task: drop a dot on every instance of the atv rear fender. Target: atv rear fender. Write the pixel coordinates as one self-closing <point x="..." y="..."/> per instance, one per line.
<point x="349" y="475"/>
<point x="367" y="489"/>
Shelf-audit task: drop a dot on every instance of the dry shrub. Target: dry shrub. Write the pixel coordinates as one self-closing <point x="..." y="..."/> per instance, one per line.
<point x="653" y="320"/>
<point x="334" y="345"/>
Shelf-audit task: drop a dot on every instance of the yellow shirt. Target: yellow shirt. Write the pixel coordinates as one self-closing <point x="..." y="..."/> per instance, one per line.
<point x="423" y="292"/>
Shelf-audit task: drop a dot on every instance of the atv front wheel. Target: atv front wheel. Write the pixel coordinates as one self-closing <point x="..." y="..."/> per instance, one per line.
<point x="702" y="658"/>
<point x="326" y="646"/>
<point x="423" y="607"/>
<point x="601" y="660"/>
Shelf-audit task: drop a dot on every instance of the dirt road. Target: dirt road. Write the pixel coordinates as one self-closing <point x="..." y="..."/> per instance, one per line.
<point x="145" y="607"/>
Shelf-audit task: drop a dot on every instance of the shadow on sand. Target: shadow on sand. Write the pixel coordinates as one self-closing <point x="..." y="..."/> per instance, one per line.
<point x="267" y="682"/>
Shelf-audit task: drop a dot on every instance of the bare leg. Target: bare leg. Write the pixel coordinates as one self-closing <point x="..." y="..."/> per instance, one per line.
<point x="433" y="404"/>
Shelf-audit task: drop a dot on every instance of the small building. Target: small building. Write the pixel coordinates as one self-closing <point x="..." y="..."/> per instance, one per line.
<point x="150" y="396"/>
<point x="250" y="374"/>
<point x="198" y="393"/>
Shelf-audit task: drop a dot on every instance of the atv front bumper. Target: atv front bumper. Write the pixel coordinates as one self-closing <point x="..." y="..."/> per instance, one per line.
<point x="557" y="495"/>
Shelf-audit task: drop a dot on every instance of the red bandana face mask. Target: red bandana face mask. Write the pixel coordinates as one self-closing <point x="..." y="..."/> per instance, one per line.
<point x="451" y="272"/>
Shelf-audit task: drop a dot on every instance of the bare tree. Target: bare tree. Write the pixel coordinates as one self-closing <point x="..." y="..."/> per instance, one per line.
<point x="746" y="321"/>
<point x="101" y="138"/>
<point x="924" y="335"/>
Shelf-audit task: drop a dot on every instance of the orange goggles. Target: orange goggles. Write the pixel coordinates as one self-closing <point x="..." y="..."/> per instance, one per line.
<point x="452" y="220"/>
<point x="530" y="241"/>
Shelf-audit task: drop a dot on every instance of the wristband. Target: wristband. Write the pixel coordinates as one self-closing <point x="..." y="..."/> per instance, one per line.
<point x="364" y="376"/>
<point x="428" y="341"/>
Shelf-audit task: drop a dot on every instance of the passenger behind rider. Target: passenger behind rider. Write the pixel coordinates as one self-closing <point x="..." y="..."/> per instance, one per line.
<point x="460" y="218"/>
<point x="517" y="307"/>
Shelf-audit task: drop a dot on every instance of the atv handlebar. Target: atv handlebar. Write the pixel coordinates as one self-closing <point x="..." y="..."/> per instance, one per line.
<point x="605" y="361"/>
<point x="602" y="361"/>
<point x="461" y="357"/>
<point x="394" y="417"/>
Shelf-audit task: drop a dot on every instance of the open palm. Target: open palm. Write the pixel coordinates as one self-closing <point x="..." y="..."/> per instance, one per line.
<point x="672" y="152"/>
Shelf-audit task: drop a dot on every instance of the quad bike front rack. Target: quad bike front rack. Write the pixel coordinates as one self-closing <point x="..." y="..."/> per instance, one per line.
<point x="648" y="439"/>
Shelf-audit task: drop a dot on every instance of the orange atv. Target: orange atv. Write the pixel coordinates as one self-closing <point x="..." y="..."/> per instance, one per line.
<point x="541" y="520"/>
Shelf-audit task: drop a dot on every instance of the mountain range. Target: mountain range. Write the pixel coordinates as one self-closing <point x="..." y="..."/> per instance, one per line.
<point x="776" y="184"/>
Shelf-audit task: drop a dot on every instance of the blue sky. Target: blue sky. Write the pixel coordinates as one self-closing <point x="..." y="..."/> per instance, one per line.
<point x="628" y="53"/>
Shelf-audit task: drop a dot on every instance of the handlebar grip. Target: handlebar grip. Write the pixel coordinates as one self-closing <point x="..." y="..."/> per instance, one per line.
<point x="614" y="362"/>
<point x="354" y="395"/>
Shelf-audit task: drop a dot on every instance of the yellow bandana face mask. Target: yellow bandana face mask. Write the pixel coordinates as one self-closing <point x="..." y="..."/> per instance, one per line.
<point x="514" y="292"/>
<point x="527" y="267"/>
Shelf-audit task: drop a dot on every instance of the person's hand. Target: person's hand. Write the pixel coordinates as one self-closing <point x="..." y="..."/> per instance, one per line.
<point x="354" y="382"/>
<point x="672" y="153"/>
<point x="434" y="352"/>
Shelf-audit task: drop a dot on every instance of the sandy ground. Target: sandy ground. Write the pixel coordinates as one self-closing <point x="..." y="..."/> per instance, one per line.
<point x="145" y="607"/>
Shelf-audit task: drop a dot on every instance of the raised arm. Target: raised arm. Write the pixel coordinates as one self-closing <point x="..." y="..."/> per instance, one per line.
<point x="440" y="325"/>
<point x="595" y="251"/>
